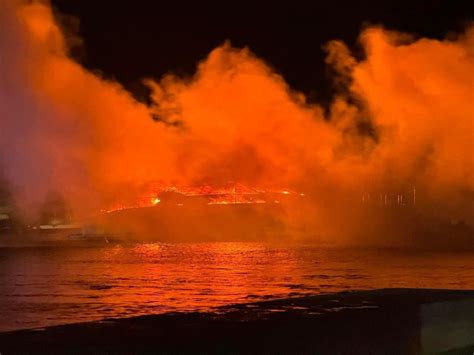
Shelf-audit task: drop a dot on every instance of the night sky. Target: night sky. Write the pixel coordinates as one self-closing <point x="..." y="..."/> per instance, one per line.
<point x="130" y="40"/>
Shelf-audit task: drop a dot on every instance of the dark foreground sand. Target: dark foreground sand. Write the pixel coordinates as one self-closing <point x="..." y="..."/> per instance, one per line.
<point x="392" y="321"/>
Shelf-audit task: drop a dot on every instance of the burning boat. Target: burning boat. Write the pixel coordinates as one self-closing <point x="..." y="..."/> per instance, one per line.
<point x="231" y="212"/>
<point x="235" y="212"/>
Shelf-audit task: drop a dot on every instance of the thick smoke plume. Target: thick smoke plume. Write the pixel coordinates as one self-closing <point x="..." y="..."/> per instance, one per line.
<point x="403" y="118"/>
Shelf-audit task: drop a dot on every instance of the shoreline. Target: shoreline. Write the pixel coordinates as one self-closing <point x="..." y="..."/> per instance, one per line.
<point x="389" y="321"/>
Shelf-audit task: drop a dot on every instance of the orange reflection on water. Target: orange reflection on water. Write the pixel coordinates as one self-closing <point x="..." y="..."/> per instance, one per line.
<point x="45" y="286"/>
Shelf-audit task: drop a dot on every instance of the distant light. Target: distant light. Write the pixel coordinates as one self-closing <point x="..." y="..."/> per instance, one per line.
<point x="276" y="201"/>
<point x="155" y="201"/>
<point x="285" y="192"/>
<point x="302" y="194"/>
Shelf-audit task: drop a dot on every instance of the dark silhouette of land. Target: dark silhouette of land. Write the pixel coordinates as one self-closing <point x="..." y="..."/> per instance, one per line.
<point x="391" y="321"/>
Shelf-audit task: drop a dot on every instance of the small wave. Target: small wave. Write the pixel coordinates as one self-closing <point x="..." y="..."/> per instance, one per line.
<point x="100" y="287"/>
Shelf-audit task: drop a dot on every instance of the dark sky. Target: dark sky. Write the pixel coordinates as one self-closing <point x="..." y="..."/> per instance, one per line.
<point x="130" y="40"/>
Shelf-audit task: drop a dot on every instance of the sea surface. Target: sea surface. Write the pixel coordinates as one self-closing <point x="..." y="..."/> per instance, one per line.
<point x="42" y="286"/>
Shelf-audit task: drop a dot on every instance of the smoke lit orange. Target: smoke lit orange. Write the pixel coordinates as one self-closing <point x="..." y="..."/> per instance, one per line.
<point x="67" y="129"/>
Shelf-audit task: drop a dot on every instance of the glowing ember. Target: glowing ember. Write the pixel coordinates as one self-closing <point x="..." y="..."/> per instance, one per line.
<point x="230" y="194"/>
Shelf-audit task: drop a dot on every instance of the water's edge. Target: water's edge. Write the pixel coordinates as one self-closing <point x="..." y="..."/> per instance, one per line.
<point x="409" y="321"/>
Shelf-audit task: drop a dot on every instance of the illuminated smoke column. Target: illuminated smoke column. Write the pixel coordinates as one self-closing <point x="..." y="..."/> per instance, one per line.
<point x="65" y="128"/>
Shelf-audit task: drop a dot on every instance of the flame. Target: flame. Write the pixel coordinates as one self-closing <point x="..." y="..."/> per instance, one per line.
<point x="232" y="193"/>
<point x="403" y="117"/>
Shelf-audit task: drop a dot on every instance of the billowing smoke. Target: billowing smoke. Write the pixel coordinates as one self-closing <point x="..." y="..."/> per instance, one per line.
<point x="63" y="127"/>
<point x="402" y="119"/>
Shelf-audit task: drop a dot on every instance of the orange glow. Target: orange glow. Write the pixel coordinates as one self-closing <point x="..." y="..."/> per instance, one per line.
<point x="88" y="138"/>
<point x="223" y="195"/>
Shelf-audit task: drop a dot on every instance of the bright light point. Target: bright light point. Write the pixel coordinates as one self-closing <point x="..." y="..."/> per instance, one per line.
<point x="285" y="192"/>
<point x="155" y="201"/>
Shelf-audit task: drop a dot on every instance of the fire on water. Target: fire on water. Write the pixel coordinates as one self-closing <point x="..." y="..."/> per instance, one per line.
<point x="229" y="194"/>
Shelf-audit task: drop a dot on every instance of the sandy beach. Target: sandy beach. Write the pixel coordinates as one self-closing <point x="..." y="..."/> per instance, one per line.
<point x="388" y="321"/>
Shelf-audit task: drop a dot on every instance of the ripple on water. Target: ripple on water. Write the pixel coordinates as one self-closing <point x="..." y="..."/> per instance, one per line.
<point x="46" y="286"/>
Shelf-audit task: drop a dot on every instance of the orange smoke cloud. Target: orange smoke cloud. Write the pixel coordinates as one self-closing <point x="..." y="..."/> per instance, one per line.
<point x="418" y="95"/>
<point x="66" y="128"/>
<point x="242" y="122"/>
<point x="70" y="129"/>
